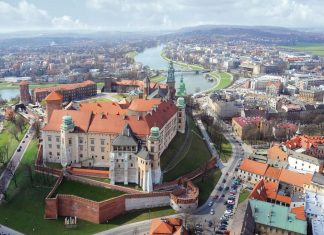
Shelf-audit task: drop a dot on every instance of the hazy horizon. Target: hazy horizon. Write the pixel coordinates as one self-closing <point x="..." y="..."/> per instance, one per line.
<point x="154" y="15"/>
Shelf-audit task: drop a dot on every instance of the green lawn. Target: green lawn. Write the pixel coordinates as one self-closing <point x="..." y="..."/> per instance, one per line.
<point x="195" y="155"/>
<point x="132" y="54"/>
<point x="226" y="151"/>
<point x="7" y="138"/>
<point x="24" y="211"/>
<point x="243" y="195"/>
<point x="100" y="99"/>
<point x="224" y="80"/>
<point x="87" y="191"/>
<point x="157" y="78"/>
<point x="120" y="96"/>
<point x="313" y="48"/>
<point x="183" y="65"/>
<point x="54" y="165"/>
<point x="173" y="147"/>
<point x="206" y="184"/>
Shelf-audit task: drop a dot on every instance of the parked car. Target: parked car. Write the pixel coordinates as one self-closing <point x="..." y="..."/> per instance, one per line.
<point x="212" y="211"/>
<point x="210" y="203"/>
<point x="224" y="180"/>
<point x="216" y="197"/>
<point x="220" y="188"/>
<point x="227" y="188"/>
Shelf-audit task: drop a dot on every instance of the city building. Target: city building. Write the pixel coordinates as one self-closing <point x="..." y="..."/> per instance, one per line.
<point x="69" y="92"/>
<point x="167" y="226"/>
<point x="128" y="139"/>
<point x="318" y="225"/>
<point x="247" y="127"/>
<point x="275" y="219"/>
<point x="311" y="96"/>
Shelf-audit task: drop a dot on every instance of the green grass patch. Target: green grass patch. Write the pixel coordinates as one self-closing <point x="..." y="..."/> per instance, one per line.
<point x="100" y="99"/>
<point x="24" y="211"/>
<point x="158" y="78"/>
<point x="206" y="184"/>
<point x="243" y="195"/>
<point x="87" y="191"/>
<point x="54" y="165"/>
<point x="183" y="65"/>
<point x="313" y="48"/>
<point x="119" y="96"/>
<point x="226" y="153"/>
<point x="7" y="139"/>
<point x="224" y="80"/>
<point x="132" y="54"/>
<point x="194" y="156"/>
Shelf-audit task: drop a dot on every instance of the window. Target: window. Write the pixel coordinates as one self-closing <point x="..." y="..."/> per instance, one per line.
<point x="92" y="141"/>
<point x="130" y="157"/>
<point x="50" y="146"/>
<point x="49" y="138"/>
<point x="58" y="154"/>
<point x="70" y="141"/>
<point x="92" y="148"/>
<point x="57" y="139"/>
<point x="58" y="146"/>
<point x="81" y="155"/>
<point x="81" y="147"/>
<point x="102" y="149"/>
<point x="102" y="141"/>
<point x="50" y="153"/>
<point x="131" y="164"/>
<point x="80" y="140"/>
<point x="102" y="157"/>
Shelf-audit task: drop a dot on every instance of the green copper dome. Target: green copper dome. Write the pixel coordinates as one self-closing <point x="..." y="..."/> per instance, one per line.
<point x="155" y="133"/>
<point x="182" y="88"/>
<point x="67" y="123"/>
<point x="181" y="102"/>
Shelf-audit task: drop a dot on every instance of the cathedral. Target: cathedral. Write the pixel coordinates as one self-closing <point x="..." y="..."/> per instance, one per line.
<point x="128" y="138"/>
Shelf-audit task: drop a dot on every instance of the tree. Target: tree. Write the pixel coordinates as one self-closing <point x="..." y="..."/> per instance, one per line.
<point x="4" y="152"/>
<point x="11" y="171"/>
<point x="14" y="131"/>
<point x="29" y="170"/>
<point x="37" y="128"/>
<point x="20" y="122"/>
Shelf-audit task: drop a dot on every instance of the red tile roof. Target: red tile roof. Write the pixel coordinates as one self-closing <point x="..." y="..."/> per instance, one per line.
<point x="54" y="96"/>
<point x="23" y="82"/>
<point x="299" y="212"/>
<point x="253" y="167"/>
<point x="142" y="105"/>
<point x="243" y="121"/>
<point x="64" y="87"/>
<point x="295" y="178"/>
<point x="273" y="172"/>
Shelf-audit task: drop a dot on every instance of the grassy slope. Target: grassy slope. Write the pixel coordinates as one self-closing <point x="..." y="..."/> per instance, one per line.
<point x="225" y="80"/>
<point x="196" y="154"/>
<point x="183" y="65"/>
<point x="158" y="78"/>
<point x="207" y="183"/>
<point x="25" y="210"/>
<point x="87" y="191"/>
<point x="13" y="85"/>
<point x="13" y="143"/>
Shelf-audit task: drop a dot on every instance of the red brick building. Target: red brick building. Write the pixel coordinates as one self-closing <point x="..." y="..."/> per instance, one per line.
<point x="68" y="91"/>
<point x="24" y="92"/>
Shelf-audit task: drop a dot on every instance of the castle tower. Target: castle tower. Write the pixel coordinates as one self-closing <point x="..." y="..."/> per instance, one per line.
<point x="67" y="126"/>
<point x="24" y="92"/>
<point x="144" y="163"/>
<point x="181" y="104"/>
<point x="171" y="80"/>
<point x="154" y="148"/>
<point x="53" y="101"/>
<point x="182" y="88"/>
<point x="107" y="87"/>
<point x="146" y="87"/>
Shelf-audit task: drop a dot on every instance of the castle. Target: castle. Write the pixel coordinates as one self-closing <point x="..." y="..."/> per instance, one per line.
<point x="127" y="138"/>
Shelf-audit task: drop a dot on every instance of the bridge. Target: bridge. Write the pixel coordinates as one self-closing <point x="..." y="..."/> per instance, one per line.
<point x="187" y="71"/>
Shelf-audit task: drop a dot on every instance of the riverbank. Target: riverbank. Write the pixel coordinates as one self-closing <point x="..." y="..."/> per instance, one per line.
<point x="183" y="65"/>
<point x="132" y="54"/>
<point x="223" y="80"/>
<point x="14" y="85"/>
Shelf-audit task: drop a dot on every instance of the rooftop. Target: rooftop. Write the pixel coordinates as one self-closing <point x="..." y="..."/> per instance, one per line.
<point x="254" y="167"/>
<point x="243" y="121"/>
<point x="277" y="216"/>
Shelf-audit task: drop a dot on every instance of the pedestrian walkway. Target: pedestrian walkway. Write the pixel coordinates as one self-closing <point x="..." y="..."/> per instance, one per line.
<point x="8" y="231"/>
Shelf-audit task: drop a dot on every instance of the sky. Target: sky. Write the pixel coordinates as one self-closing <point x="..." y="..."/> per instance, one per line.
<point x="155" y="15"/>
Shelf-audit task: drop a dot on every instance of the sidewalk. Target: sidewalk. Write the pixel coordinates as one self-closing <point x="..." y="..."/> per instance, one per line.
<point x="5" y="230"/>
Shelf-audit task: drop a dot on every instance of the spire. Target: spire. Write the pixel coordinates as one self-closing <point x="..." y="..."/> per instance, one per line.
<point x="171" y="78"/>
<point x="182" y="88"/>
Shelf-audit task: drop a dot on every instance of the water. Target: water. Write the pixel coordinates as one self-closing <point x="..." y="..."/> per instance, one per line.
<point x="194" y="82"/>
<point x="9" y="93"/>
<point x="151" y="57"/>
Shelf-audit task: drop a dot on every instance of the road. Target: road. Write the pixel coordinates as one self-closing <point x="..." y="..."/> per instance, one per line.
<point x="8" y="172"/>
<point x="8" y="231"/>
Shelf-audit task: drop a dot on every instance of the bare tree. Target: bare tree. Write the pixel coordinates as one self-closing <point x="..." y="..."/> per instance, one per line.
<point x="37" y="128"/>
<point x="20" y="122"/>
<point x="13" y="130"/>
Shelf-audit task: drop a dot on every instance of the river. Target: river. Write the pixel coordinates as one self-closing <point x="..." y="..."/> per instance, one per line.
<point x="194" y="82"/>
<point x="152" y="58"/>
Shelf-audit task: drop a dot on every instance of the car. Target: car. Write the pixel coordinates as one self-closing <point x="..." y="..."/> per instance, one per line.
<point x="18" y="150"/>
<point x="23" y="141"/>
<point x="210" y="203"/>
<point x="219" y="232"/>
<point x="225" y="203"/>
<point x="232" y="193"/>
<point x="224" y="180"/>
<point x="227" y="211"/>
<point x="212" y="211"/>
<point x="226" y="173"/>
<point x="230" y="201"/>
<point x="26" y="136"/>
<point x="223" y="195"/>
<point x="224" y="223"/>
<point x="216" y="197"/>
<point x="220" y="188"/>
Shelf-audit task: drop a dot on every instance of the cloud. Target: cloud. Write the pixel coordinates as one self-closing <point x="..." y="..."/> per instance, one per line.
<point x="66" y="23"/>
<point x="27" y="16"/>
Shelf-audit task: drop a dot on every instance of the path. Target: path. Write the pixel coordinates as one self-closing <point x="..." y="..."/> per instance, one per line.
<point x="8" y="231"/>
<point x="14" y="162"/>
